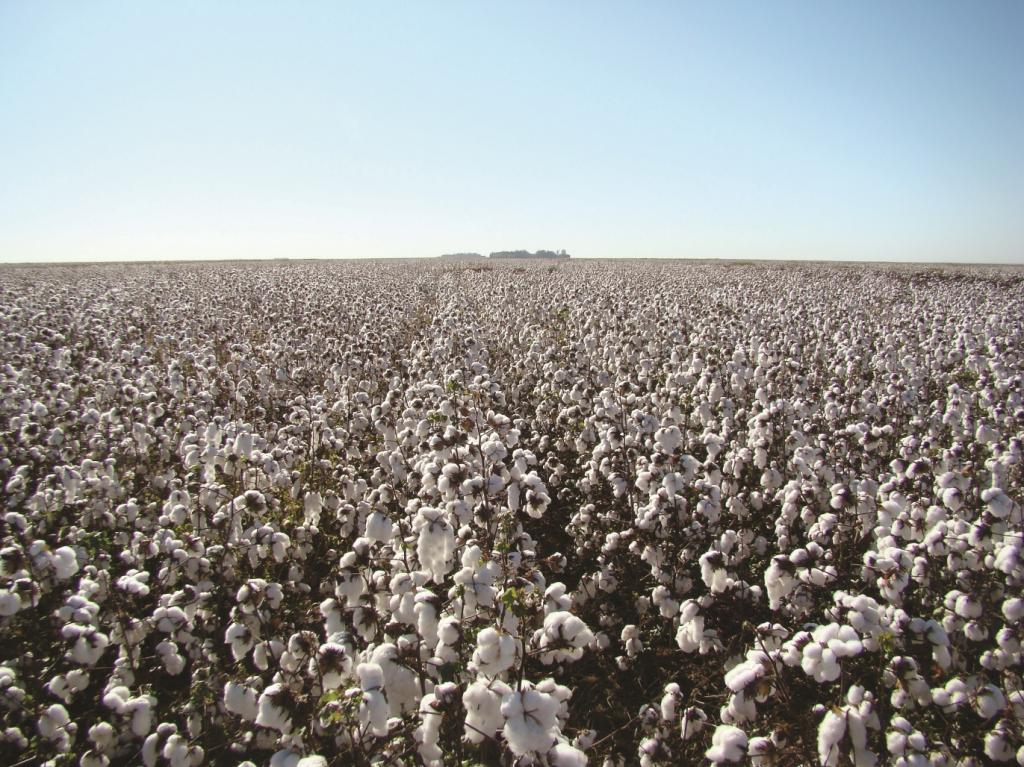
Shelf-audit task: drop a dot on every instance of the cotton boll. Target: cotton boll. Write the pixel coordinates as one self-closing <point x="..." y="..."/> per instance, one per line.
<point x="428" y="732"/>
<point x="313" y="760"/>
<point x="830" y="732"/>
<point x="563" y="638"/>
<point x="630" y="637"/>
<point x="999" y="503"/>
<point x="989" y="701"/>
<point x="65" y="563"/>
<point x="1013" y="609"/>
<point x="778" y="580"/>
<point x="54" y="722"/>
<point x="530" y="720"/>
<point x="333" y="664"/>
<point x="482" y="700"/>
<point x="713" y="572"/>
<point x="670" y="701"/>
<point x="999" y="745"/>
<point x="241" y="701"/>
<point x="400" y="684"/>
<point x="373" y="709"/>
<point x="728" y="744"/>
<point x="566" y="755"/>
<point x="692" y="722"/>
<point x="275" y="708"/>
<point x="495" y="652"/>
<point x="435" y="546"/>
<point x="379" y="528"/>
<point x="10" y="603"/>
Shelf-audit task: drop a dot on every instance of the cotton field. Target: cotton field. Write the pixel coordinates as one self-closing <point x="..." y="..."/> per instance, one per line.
<point x="468" y="513"/>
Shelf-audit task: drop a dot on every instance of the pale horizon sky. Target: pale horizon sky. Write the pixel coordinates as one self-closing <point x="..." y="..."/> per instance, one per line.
<point x="796" y="130"/>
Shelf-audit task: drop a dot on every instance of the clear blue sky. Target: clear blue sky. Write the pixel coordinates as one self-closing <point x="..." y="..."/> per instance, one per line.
<point x="818" y="129"/>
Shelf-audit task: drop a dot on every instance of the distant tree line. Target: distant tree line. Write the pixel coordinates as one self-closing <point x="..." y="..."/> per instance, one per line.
<point x="528" y="254"/>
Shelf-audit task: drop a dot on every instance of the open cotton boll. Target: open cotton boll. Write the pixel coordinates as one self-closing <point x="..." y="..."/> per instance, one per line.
<point x="10" y="603"/>
<point x="65" y="563"/>
<point x="333" y="663"/>
<point x="743" y="675"/>
<point x="379" y="528"/>
<point x="313" y="760"/>
<point x="999" y="503"/>
<point x="435" y="547"/>
<point x="779" y="581"/>
<point x="373" y="708"/>
<point x="631" y="642"/>
<point x="531" y="724"/>
<point x="275" y="708"/>
<point x="728" y="744"/>
<point x="53" y="722"/>
<point x="670" y="701"/>
<point x="400" y="683"/>
<point x="989" y="701"/>
<point x="1013" y="609"/>
<point x="713" y="572"/>
<point x="241" y="701"/>
<point x="563" y="638"/>
<point x="495" y="652"/>
<point x="482" y="701"/>
<point x="830" y="732"/>
<point x="426" y="735"/>
<point x="566" y="755"/>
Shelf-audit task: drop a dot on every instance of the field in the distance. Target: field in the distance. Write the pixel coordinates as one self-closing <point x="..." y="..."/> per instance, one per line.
<point x="436" y="513"/>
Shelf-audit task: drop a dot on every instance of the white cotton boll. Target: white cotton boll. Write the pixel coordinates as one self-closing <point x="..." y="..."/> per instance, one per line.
<point x="778" y="580"/>
<point x="53" y="722"/>
<point x="989" y="701"/>
<point x="174" y="663"/>
<point x="241" y="701"/>
<point x="692" y="722"/>
<point x="176" y="751"/>
<point x="830" y="732"/>
<point x="566" y="755"/>
<point x="312" y="507"/>
<point x="556" y="599"/>
<point x="435" y="547"/>
<point x="65" y="563"/>
<point x="428" y="732"/>
<point x="670" y="701"/>
<point x="10" y="603"/>
<point x="400" y="683"/>
<point x="378" y="528"/>
<point x="273" y="708"/>
<point x="690" y="635"/>
<point x="333" y="664"/>
<point x="563" y="638"/>
<point x="426" y="618"/>
<point x="244" y="445"/>
<point x="284" y="758"/>
<point x="998" y="747"/>
<point x="313" y="760"/>
<point x="728" y="744"/>
<point x="240" y="639"/>
<point x="967" y="607"/>
<point x="373" y="709"/>
<point x="744" y="674"/>
<point x="1000" y="505"/>
<point x="531" y="723"/>
<point x="1013" y="609"/>
<point x="630" y="637"/>
<point x="482" y="700"/>
<point x="495" y="652"/>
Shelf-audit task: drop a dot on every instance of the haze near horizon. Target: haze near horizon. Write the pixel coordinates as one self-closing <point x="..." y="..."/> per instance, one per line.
<point x="799" y="130"/>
